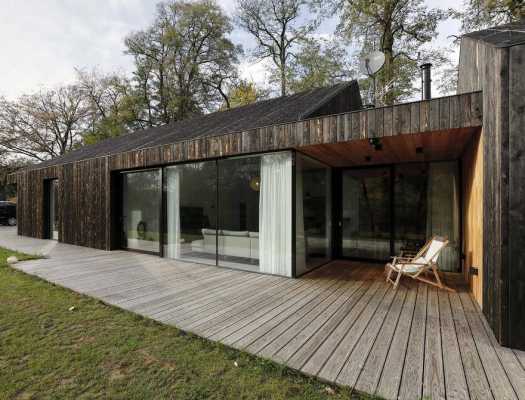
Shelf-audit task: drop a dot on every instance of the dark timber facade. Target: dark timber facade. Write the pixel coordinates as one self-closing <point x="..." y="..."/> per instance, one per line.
<point x="481" y="128"/>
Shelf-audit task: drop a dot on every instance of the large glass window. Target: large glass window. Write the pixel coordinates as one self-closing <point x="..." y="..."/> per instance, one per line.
<point x="443" y="210"/>
<point x="366" y="223"/>
<point x="191" y="197"/>
<point x="250" y="226"/>
<point x="410" y="206"/>
<point x="239" y="199"/>
<point x="425" y="203"/>
<point x="255" y="213"/>
<point x="313" y="214"/>
<point x="141" y="199"/>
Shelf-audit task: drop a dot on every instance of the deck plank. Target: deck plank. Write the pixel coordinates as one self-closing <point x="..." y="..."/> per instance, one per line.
<point x="292" y="337"/>
<point x="478" y="385"/>
<point x="390" y="380"/>
<point x="455" y="381"/>
<point x="295" y="323"/>
<point x="433" y="378"/>
<point x="340" y="322"/>
<point x="496" y="375"/>
<point x="334" y="365"/>
<point x="357" y="359"/>
<point x="510" y="359"/>
<point x="285" y="308"/>
<point x="371" y="373"/>
<point x="319" y="349"/>
<point x="412" y="379"/>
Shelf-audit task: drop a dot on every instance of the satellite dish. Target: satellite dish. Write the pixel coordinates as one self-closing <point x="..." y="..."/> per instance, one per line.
<point x="371" y="63"/>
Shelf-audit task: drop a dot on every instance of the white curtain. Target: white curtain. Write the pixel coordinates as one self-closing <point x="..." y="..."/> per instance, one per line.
<point x="173" y="211"/>
<point x="275" y="214"/>
<point x="443" y="211"/>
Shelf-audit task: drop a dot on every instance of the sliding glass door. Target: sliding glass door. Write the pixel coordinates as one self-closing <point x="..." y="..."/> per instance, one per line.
<point x="313" y="214"/>
<point x="191" y="212"/>
<point x="386" y="210"/>
<point x="141" y="206"/>
<point x="234" y="212"/>
<point x="366" y="213"/>
<point x="410" y="206"/>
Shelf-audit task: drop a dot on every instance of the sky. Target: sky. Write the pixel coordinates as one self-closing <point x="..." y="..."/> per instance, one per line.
<point x="43" y="41"/>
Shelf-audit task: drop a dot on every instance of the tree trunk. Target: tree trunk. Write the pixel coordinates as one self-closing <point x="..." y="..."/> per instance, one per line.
<point x="388" y="69"/>
<point x="283" y="80"/>
<point x="387" y="46"/>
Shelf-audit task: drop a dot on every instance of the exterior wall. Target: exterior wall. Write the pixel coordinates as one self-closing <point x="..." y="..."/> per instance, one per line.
<point x="83" y="202"/>
<point x="86" y="189"/>
<point x="498" y="71"/>
<point x="30" y="204"/>
<point x="472" y="180"/>
<point x="516" y="200"/>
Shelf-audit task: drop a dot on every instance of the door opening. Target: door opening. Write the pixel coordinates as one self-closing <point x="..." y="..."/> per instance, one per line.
<point x="51" y="212"/>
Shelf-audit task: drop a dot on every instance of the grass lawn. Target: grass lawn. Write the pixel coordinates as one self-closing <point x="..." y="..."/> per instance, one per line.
<point x="99" y="351"/>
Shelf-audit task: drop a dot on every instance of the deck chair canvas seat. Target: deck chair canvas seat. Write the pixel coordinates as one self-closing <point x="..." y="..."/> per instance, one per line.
<point x="419" y="265"/>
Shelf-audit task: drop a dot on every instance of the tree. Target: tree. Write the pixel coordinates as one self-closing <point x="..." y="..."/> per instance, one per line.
<point x="113" y="108"/>
<point x="8" y="165"/>
<point x="277" y="28"/>
<point x="243" y="93"/>
<point x="481" y="14"/>
<point x="45" y="124"/>
<point x="398" y="28"/>
<point x="319" y="63"/>
<point x="183" y="62"/>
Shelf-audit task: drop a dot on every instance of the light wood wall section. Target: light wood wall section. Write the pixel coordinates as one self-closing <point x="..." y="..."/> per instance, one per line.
<point x="472" y="179"/>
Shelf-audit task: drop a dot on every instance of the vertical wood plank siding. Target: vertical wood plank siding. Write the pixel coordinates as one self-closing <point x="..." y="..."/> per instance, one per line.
<point x="516" y="199"/>
<point x="83" y="209"/>
<point x="85" y="186"/>
<point x="498" y="71"/>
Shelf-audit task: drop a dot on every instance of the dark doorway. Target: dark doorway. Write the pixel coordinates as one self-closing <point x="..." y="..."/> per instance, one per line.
<point x="51" y="211"/>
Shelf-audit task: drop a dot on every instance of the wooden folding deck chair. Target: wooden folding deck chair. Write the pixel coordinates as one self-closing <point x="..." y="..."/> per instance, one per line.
<point x="418" y="265"/>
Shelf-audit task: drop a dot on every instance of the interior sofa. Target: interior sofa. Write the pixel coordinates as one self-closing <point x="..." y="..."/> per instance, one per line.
<point x="230" y="243"/>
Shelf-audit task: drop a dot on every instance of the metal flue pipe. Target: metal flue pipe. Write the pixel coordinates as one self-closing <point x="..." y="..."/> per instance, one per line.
<point x="426" y="81"/>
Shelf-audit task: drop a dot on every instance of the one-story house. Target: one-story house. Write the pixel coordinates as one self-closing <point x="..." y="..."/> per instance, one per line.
<point x="286" y="185"/>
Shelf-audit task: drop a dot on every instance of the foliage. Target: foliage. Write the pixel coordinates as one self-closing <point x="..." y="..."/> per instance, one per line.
<point x="481" y="14"/>
<point x="183" y="61"/>
<point x="243" y="93"/>
<point x="277" y="28"/>
<point x="45" y="124"/>
<point x="113" y="109"/>
<point x="319" y="63"/>
<point x="8" y="166"/>
<point x="99" y="351"/>
<point x="400" y="29"/>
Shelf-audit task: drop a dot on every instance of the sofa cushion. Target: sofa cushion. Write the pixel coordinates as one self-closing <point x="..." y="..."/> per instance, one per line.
<point x="207" y="231"/>
<point x="253" y="234"/>
<point x="234" y="233"/>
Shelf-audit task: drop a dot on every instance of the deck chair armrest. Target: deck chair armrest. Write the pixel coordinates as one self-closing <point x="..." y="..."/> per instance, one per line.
<point x="404" y="260"/>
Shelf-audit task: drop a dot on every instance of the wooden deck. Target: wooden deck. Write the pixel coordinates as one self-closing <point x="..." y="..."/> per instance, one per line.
<point x="342" y="322"/>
